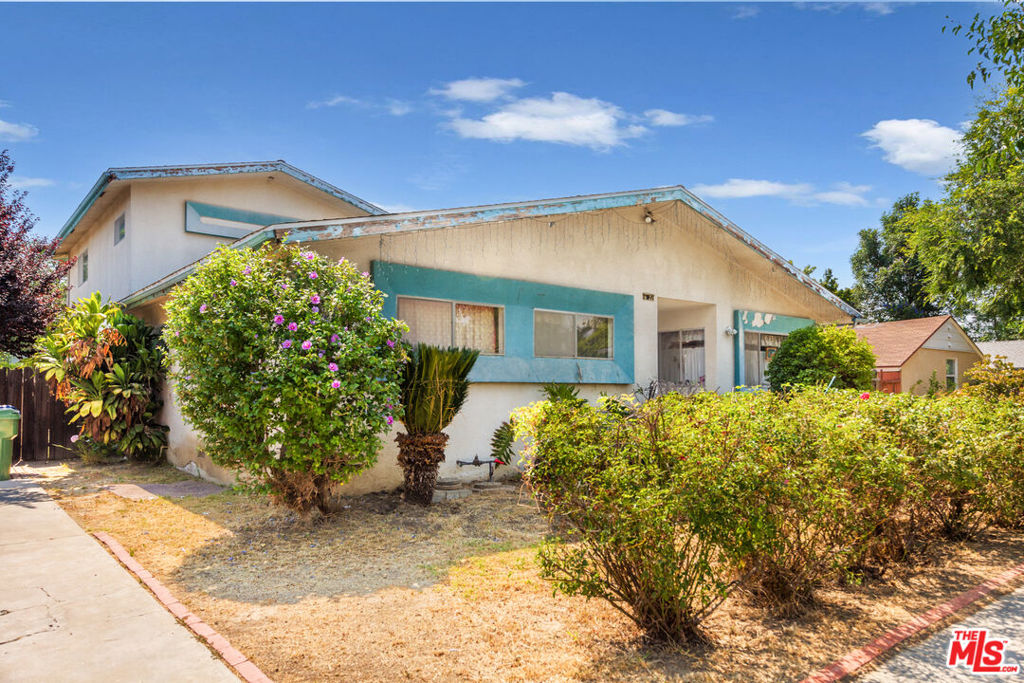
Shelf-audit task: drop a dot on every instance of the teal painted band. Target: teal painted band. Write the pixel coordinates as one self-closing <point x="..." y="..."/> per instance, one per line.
<point x="757" y="321"/>
<point x="520" y="298"/>
<point x="195" y="212"/>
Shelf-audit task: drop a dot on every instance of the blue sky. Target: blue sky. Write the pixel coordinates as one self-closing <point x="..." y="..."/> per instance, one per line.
<point x="801" y="122"/>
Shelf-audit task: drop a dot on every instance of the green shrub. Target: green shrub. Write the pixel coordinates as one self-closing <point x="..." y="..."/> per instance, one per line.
<point x="818" y="355"/>
<point x="994" y="378"/>
<point x="435" y="385"/>
<point x="286" y="367"/>
<point x="106" y="366"/>
<point x="630" y="528"/>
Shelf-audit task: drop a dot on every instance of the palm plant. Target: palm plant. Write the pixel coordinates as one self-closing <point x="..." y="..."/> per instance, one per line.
<point x="434" y="388"/>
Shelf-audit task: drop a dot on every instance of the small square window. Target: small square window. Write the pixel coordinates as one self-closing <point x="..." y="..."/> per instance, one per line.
<point x="83" y="267"/>
<point x="119" y="229"/>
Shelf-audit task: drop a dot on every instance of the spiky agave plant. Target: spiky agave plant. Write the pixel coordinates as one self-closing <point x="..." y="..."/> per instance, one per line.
<point x="434" y="388"/>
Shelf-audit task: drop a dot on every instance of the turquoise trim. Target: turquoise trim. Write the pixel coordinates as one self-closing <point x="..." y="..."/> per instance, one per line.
<point x="520" y="298"/>
<point x="195" y="212"/>
<point x="759" y="321"/>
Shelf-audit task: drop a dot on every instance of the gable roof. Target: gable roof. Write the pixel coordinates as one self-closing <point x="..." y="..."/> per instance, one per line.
<point x="332" y="229"/>
<point x="895" y="342"/>
<point x="199" y="170"/>
<point x="1013" y="350"/>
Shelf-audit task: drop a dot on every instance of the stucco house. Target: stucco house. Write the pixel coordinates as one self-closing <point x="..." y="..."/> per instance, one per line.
<point x="910" y="353"/>
<point x="604" y="291"/>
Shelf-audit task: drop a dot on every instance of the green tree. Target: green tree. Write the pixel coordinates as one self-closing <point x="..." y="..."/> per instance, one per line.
<point x="434" y="388"/>
<point x="287" y="368"/>
<point x="820" y="355"/>
<point x="828" y="280"/>
<point x="890" y="278"/>
<point x="972" y="240"/>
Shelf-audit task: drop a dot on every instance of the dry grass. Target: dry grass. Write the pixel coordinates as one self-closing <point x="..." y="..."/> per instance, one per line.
<point x="386" y="591"/>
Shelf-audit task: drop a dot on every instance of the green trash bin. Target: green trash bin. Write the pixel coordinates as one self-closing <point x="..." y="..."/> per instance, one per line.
<point x="10" y="419"/>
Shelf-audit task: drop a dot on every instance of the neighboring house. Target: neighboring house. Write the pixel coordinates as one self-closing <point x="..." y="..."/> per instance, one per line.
<point x="603" y="291"/>
<point x="1012" y="350"/>
<point x="909" y="354"/>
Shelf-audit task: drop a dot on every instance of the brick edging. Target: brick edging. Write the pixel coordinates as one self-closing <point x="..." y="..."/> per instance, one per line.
<point x="235" y="659"/>
<point x="852" y="661"/>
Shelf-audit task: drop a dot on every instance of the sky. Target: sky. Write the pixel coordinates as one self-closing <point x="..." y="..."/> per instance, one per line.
<point x="800" y="122"/>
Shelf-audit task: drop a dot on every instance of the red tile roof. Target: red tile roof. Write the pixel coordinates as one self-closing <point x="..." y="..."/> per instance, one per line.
<point x="895" y="342"/>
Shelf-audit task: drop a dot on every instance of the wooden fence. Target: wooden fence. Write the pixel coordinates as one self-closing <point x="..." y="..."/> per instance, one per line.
<point x="44" y="433"/>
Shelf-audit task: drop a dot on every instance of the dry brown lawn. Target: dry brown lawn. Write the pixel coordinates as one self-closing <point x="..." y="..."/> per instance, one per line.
<point x="385" y="591"/>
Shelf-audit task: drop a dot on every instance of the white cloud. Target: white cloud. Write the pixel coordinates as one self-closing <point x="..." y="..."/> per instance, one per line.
<point x="17" y="132"/>
<point x="735" y="188"/>
<point x="22" y="183"/>
<point x="563" y="118"/>
<point x="746" y="12"/>
<point x="881" y="8"/>
<point x="918" y="145"/>
<point x="663" y="117"/>
<point x="334" y="102"/>
<point x="478" y="89"/>
<point x="843" y="193"/>
<point x="392" y="106"/>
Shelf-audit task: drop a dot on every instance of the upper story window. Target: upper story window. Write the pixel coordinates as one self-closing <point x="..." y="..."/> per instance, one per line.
<point x="951" y="373"/>
<point x="119" y="229"/>
<point x="83" y="267"/>
<point x="446" y="323"/>
<point x="572" y="335"/>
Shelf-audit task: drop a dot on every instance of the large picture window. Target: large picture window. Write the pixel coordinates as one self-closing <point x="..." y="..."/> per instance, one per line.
<point x="572" y="335"/>
<point x="454" y="323"/>
<point x="759" y="349"/>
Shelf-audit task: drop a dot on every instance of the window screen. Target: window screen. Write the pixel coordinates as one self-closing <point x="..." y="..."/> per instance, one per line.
<point x="450" y="323"/>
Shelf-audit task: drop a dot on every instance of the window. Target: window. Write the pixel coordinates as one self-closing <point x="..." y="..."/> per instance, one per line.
<point x="758" y="349"/>
<point x="83" y="267"/>
<point x="951" y="373"/>
<point x="681" y="357"/>
<point x="571" y="335"/>
<point x="453" y="323"/>
<point x="119" y="229"/>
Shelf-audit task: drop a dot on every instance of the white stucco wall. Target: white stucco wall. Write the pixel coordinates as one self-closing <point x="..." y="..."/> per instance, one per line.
<point x="156" y="243"/>
<point x="680" y="257"/>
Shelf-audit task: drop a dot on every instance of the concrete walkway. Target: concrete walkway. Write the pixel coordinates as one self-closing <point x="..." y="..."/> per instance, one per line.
<point x="70" y="612"/>
<point x="926" y="661"/>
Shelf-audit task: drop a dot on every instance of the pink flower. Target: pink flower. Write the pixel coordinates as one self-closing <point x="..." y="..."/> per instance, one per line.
<point x="308" y="256"/>
<point x="286" y="344"/>
<point x="247" y="270"/>
<point x="321" y="354"/>
<point x="391" y="420"/>
<point x="307" y="345"/>
<point x="278" y="319"/>
<point x="391" y="343"/>
<point x="234" y="282"/>
<point x="315" y="299"/>
<point x="335" y="339"/>
<point x="333" y="367"/>
<point x="284" y="285"/>
<point x="365" y="274"/>
<point x="315" y="309"/>
<point x="336" y="384"/>
<point x="202" y="308"/>
<point x="312" y="275"/>
<point x="865" y="396"/>
<point x="74" y="439"/>
<point x="293" y="326"/>
<point x="341" y="260"/>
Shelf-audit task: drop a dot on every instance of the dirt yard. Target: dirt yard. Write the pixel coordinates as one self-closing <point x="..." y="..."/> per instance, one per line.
<point x="386" y="591"/>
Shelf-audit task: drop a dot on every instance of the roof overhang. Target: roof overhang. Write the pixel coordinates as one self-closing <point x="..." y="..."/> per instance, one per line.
<point x="200" y="170"/>
<point x="380" y="224"/>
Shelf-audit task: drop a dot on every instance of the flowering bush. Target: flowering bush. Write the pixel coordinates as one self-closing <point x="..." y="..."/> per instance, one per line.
<point x="286" y="367"/>
<point x="106" y="366"/>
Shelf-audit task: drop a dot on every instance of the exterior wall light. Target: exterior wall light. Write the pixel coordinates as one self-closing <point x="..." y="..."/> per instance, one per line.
<point x="731" y="331"/>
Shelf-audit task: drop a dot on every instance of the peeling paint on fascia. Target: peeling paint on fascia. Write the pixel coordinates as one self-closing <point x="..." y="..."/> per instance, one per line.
<point x="394" y="223"/>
